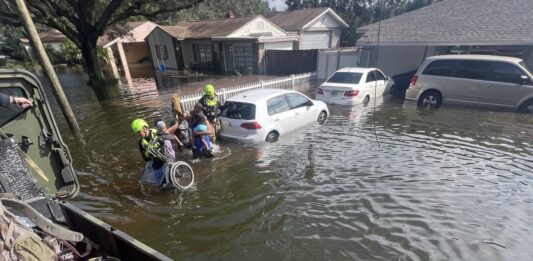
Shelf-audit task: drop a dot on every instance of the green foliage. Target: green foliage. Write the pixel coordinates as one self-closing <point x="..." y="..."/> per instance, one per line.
<point x="213" y="9"/>
<point x="71" y="53"/>
<point x="359" y="13"/>
<point x="9" y="43"/>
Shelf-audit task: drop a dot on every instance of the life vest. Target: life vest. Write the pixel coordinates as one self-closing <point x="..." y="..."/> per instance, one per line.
<point x="210" y="106"/>
<point x="146" y="145"/>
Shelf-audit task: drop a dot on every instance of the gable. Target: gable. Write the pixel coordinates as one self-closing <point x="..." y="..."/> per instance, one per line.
<point x="258" y="27"/>
<point x="325" y="20"/>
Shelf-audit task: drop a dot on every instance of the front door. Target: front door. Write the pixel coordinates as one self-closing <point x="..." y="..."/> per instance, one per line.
<point x="281" y="113"/>
<point x="504" y="86"/>
<point x="229" y="61"/>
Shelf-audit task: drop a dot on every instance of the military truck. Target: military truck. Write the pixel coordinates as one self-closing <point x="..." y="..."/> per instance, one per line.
<point x="36" y="166"/>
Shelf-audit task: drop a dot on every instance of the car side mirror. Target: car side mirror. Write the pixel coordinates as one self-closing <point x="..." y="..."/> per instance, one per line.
<point x="387" y="78"/>
<point x="523" y="79"/>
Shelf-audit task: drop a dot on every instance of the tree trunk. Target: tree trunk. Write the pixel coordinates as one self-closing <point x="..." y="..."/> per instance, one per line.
<point x="97" y="79"/>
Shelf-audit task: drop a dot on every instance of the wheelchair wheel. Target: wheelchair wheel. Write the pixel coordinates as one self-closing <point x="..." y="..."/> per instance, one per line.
<point x="181" y="175"/>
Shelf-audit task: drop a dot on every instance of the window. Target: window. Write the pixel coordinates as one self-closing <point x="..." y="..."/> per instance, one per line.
<point x="243" y="56"/>
<point x="505" y="72"/>
<point x="345" y="77"/>
<point x="476" y="70"/>
<point x="203" y="53"/>
<point x="8" y="114"/>
<point x="380" y="76"/>
<point x="370" y="77"/>
<point x="161" y="52"/>
<point x="277" y="105"/>
<point x="440" y="68"/>
<point x="238" y="110"/>
<point x="297" y="100"/>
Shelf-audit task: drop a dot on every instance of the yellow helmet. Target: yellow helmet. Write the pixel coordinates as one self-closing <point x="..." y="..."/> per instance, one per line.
<point x="209" y="89"/>
<point x="138" y="124"/>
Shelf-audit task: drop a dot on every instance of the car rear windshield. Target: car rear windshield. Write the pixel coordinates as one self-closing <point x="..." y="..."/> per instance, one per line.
<point x="345" y="77"/>
<point x="238" y="110"/>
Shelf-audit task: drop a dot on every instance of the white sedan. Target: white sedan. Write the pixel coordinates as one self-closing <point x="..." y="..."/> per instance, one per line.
<point x="264" y="115"/>
<point x="354" y="85"/>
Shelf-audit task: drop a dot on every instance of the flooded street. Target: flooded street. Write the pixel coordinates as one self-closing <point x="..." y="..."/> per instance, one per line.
<point x="450" y="184"/>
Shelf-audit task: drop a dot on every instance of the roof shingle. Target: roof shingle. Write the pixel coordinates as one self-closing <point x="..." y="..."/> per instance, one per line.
<point x="458" y="22"/>
<point x="206" y="28"/>
<point x="294" y="20"/>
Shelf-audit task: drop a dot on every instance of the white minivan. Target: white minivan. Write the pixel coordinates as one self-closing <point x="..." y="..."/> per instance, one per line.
<point x="264" y="115"/>
<point x="486" y="80"/>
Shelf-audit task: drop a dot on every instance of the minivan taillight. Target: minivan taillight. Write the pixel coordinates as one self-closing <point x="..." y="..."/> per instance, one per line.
<point x="319" y="91"/>
<point x="251" y="125"/>
<point x="351" y="93"/>
<point x="413" y="80"/>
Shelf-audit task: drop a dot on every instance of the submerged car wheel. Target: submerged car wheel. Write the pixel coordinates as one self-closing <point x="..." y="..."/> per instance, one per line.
<point x="322" y="117"/>
<point x="272" y="137"/>
<point x="527" y="107"/>
<point x="430" y="99"/>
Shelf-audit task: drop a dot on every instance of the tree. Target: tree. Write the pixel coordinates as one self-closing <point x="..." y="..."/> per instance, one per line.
<point x="214" y="9"/>
<point x="84" y="21"/>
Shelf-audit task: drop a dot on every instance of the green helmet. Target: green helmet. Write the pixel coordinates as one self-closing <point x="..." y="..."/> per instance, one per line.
<point x="209" y="90"/>
<point x="138" y="124"/>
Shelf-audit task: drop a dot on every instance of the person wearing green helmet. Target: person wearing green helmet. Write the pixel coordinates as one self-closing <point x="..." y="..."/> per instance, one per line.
<point x="211" y="108"/>
<point x="148" y="140"/>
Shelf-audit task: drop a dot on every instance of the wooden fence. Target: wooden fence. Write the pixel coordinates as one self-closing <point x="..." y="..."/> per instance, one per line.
<point x="290" y="82"/>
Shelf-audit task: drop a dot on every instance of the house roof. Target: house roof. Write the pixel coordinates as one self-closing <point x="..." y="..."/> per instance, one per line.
<point x="48" y="37"/>
<point x="207" y="28"/>
<point x="457" y="22"/>
<point x="53" y="36"/>
<point x="299" y="19"/>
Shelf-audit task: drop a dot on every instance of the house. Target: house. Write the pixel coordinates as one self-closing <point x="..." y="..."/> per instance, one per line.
<point x="51" y="39"/>
<point x="449" y="27"/>
<point x="130" y="48"/>
<point x="316" y="28"/>
<point x="222" y="45"/>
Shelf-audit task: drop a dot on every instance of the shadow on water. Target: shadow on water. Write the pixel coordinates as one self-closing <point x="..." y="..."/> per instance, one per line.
<point x="451" y="184"/>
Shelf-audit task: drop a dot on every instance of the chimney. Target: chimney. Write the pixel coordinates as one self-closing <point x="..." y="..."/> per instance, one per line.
<point x="230" y="14"/>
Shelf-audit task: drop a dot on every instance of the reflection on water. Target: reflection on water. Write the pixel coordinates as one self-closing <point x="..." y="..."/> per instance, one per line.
<point x="452" y="184"/>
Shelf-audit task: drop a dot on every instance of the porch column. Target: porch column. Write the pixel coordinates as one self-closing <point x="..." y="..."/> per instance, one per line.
<point x="124" y="62"/>
<point x="112" y="62"/>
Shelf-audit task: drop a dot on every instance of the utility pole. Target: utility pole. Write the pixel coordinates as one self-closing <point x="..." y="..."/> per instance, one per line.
<point x="47" y="67"/>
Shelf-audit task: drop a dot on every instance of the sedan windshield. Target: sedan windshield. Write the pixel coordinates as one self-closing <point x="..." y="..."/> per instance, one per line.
<point x="345" y="77"/>
<point x="525" y="65"/>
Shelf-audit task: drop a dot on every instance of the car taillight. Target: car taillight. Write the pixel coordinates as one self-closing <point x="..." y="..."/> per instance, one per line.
<point x="319" y="91"/>
<point x="351" y="93"/>
<point x="413" y="80"/>
<point x="251" y="125"/>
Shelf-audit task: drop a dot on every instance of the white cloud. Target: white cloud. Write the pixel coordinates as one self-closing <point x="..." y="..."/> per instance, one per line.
<point x="278" y="4"/>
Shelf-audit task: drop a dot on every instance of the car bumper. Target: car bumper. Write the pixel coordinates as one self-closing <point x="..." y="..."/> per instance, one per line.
<point x="411" y="94"/>
<point x="254" y="139"/>
<point x="340" y="100"/>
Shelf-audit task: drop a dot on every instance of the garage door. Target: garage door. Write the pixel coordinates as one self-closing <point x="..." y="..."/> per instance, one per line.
<point x="316" y="40"/>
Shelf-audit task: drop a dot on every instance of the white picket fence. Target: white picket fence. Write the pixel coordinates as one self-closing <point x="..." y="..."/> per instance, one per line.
<point x="289" y="82"/>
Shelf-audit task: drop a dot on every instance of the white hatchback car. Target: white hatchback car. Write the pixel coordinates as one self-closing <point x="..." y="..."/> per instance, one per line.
<point x="354" y="85"/>
<point x="263" y="115"/>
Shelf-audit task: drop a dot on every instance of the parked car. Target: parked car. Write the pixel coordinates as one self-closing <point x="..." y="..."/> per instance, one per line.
<point x="263" y="115"/>
<point x="487" y="80"/>
<point x="354" y="85"/>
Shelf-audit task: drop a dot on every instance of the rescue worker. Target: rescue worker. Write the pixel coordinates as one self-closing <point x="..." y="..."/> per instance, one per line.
<point x="147" y="140"/>
<point x="211" y="108"/>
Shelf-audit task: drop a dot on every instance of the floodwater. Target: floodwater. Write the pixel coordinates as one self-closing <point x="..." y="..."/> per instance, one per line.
<point x="450" y="184"/>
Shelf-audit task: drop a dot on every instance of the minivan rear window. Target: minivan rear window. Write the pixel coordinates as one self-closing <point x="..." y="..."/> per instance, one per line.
<point x="238" y="110"/>
<point x="345" y="77"/>
<point x="440" y="68"/>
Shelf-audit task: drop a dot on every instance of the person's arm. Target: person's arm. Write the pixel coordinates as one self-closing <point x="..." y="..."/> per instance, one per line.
<point x="172" y="128"/>
<point x="142" y="150"/>
<point x="5" y="100"/>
